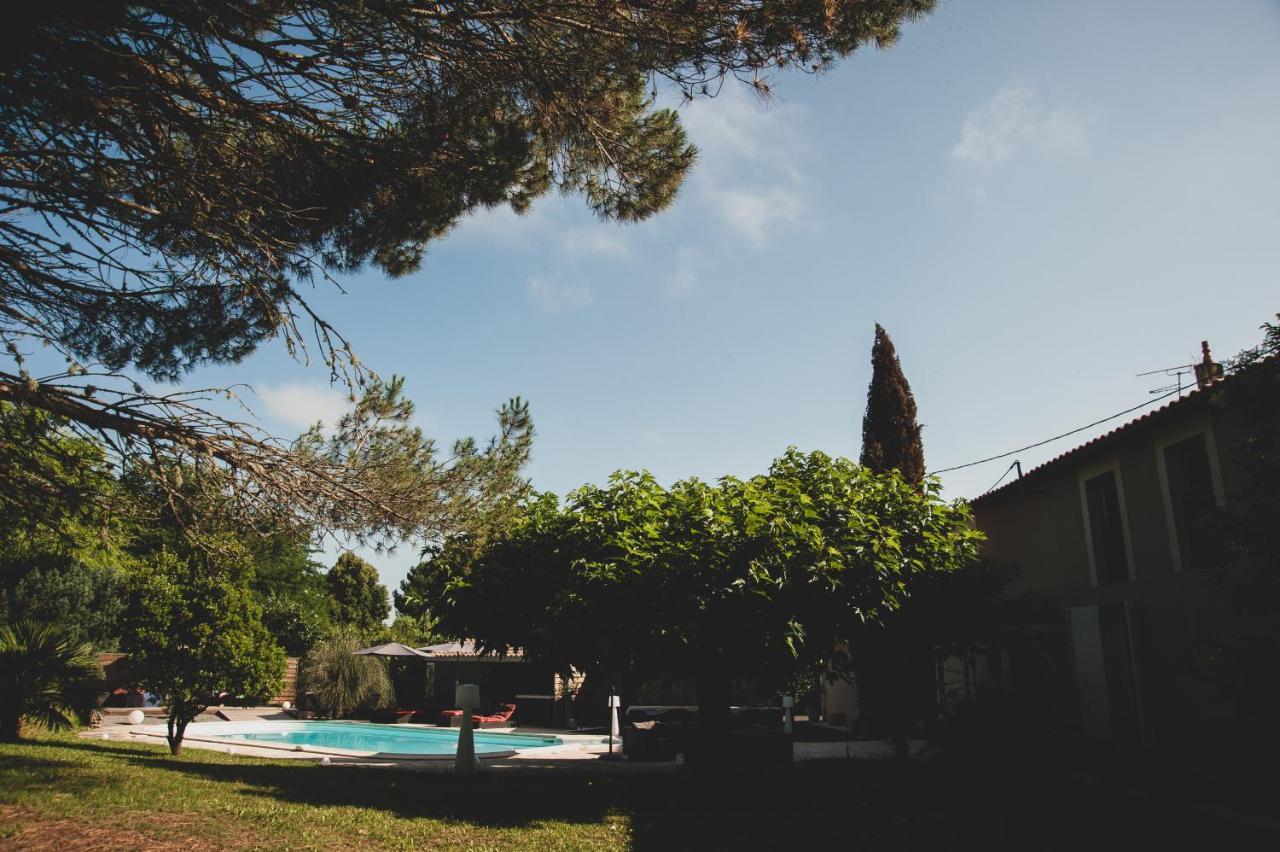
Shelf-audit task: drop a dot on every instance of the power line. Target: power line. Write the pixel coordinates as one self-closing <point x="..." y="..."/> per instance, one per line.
<point x="1057" y="437"/>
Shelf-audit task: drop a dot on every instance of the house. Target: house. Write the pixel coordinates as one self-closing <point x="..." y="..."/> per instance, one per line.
<point x="1111" y="535"/>
<point x="541" y="694"/>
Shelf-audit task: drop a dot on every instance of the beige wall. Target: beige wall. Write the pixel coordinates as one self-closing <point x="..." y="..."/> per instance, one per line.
<point x="1040" y="525"/>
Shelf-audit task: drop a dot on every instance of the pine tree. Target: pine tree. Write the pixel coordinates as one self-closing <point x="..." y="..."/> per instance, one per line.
<point x="890" y="433"/>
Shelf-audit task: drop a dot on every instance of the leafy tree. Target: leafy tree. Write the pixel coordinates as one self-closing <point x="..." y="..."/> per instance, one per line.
<point x="890" y="433"/>
<point x="743" y="577"/>
<point x="414" y="631"/>
<point x="194" y="635"/>
<point x="52" y="484"/>
<point x="174" y="176"/>
<point x="84" y="600"/>
<point x="336" y="682"/>
<point x="290" y="586"/>
<point x="293" y="624"/>
<point x="61" y="546"/>
<point x="358" y="598"/>
<point x="45" y="677"/>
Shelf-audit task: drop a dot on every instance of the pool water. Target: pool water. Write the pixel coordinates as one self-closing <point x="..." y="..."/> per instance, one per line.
<point x="387" y="739"/>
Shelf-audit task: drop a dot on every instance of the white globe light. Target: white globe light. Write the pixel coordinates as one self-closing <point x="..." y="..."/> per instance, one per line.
<point x="285" y="705"/>
<point x="137" y="717"/>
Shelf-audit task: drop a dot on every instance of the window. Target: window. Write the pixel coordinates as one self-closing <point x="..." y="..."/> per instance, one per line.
<point x="1191" y="498"/>
<point x="1106" y="530"/>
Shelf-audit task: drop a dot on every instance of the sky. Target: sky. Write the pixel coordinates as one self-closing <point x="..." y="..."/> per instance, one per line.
<point x="1038" y="200"/>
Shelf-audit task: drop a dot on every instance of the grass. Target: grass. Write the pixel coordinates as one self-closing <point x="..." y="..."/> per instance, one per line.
<point x="65" y="793"/>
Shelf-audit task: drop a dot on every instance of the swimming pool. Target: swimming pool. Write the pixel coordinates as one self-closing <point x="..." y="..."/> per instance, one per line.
<point x="364" y="738"/>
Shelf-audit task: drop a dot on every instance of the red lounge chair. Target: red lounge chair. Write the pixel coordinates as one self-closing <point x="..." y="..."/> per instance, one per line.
<point x="500" y="719"/>
<point x="453" y="718"/>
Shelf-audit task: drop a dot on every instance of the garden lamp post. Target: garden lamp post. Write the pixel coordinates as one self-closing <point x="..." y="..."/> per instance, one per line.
<point x="788" y="708"/>
<point x="615" y="701"/>
<point x="467" y="697"/>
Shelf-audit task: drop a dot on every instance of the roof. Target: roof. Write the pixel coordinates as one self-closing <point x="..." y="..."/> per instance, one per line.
<point x="1196" y="399"/>
<point x="466" y="651"/>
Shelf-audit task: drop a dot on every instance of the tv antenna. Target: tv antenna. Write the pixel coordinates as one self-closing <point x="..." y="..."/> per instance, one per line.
<point x="1175" y="373"/>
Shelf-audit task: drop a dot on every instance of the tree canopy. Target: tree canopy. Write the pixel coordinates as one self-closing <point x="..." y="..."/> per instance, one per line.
<point x="175" y="175"/>
<point x="709" y="581"/>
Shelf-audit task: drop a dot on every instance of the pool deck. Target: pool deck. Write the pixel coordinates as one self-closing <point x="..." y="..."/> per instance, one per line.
<point x="580" y="752"/>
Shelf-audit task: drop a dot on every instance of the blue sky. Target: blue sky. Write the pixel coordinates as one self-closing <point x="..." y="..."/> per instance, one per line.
<point x="1037" y="199"/>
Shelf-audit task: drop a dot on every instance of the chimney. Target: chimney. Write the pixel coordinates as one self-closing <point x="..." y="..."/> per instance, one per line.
<point x="1207" y="371"/>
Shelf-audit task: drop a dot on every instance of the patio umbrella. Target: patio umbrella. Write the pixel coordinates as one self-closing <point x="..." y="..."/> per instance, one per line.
<point x="391" y="649"/>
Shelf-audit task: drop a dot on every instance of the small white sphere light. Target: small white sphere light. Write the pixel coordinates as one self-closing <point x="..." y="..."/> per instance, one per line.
<point x="285" y="705"/>
<point x="137" y="717"/>
<point x="324" y="761"/>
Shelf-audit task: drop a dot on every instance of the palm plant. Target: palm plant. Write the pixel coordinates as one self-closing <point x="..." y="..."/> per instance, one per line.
<point x="45" y="677"/>
<point x="336" y="682"/>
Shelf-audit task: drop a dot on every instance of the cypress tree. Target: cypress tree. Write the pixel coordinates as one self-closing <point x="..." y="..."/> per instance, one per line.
<point x="893" y="665"/>
<point x="890" y="433"/>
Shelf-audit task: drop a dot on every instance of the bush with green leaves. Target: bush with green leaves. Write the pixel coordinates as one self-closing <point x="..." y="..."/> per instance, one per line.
<point x="45" y="677"/>
<point x="194" y="635"/>
<point x="336" y="682"/>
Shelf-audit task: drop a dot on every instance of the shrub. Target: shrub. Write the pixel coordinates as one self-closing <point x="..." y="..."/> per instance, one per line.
<point x="45" y="677"/>
<point x="336" y="682"/>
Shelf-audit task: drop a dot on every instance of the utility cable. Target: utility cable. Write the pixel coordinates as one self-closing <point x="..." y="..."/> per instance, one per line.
<point x="1058" y="437"/>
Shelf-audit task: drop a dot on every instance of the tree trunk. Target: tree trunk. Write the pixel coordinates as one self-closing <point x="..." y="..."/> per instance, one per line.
<point x="711" y="748"/>
<point x="177" y="729"/>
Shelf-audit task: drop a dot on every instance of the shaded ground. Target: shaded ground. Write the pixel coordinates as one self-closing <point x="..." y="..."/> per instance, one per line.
<point x="77" y="794"/>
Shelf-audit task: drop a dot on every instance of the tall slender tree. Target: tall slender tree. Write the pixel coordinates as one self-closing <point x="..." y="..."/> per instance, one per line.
<point x="892" y="669"/>
<point x="890" y="433"/>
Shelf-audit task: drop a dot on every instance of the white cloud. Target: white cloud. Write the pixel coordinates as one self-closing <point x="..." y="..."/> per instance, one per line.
<point x="552" y="296"/>
<point x="1013" y="120"/>
<point x="754" y="213"/>
<point x="738" y="127"/>
<point x="748" y="174"/>
<point x="301" y="405"/>
<point x="597" y="239"/>
<point x="551" y="222"/>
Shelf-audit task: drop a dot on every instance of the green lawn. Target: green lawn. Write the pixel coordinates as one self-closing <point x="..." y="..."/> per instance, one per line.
<point x="64" y="793"/>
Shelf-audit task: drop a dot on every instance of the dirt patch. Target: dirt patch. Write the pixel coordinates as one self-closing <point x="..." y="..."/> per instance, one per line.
<point x="28" y="829"/>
